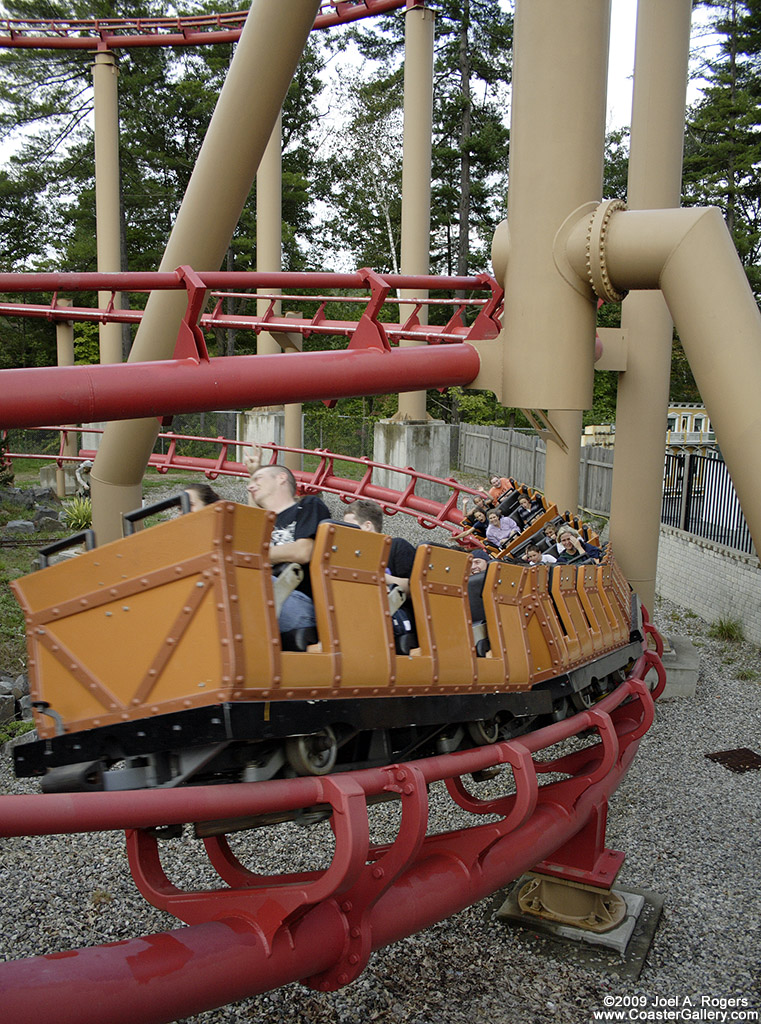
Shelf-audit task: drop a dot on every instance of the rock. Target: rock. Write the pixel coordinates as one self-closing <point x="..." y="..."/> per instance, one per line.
<point x="48" y="524"/>
<point x="7" y="708"/>
<point x="26" y="499"/>
<point x="26" y="708"/>
<point x="45" y="512"/>
<point x="20" y="526"/>
<point x="41" y="494"/>
<point x="22" y="682"/>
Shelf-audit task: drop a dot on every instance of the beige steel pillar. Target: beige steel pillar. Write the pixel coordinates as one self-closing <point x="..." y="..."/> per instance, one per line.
<point x="690" y="256"/>
<point x="269" y="230"/>
<point x="556" y="157"/>
<point x="265" y="58"/>
<point x="269" y="256"/>
<point x="105" y="77"/>
<point x="64" y="336"/>
<point x="416" y="173"/>
<point x="655" y="173"/>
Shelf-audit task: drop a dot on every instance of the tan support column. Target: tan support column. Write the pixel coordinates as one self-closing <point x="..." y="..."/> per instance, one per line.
<point x="105" y="77"/>
<point x="265" y="58"/>
<point x="556" y="156"/>
<point x="269" y="256"/>
<point x="293" y="436"/>
<point x="416" y="173"/>
<point x="64" y="336"/>
<point x="269" y="230"/>
<point x="655" y="171"/>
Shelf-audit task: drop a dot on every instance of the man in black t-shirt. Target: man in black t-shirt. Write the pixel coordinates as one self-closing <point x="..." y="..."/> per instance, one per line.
<point x="274" y="488"/>
<point x="369" y="516"/>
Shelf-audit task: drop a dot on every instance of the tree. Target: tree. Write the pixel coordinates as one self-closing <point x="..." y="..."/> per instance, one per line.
<point x="472" y="64"/>
<point x="166" y="99"/>
<point x="363" y="178"/>
<point x="723" y="142"/>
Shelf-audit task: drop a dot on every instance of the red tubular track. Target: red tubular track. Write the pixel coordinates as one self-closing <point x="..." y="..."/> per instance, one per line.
<point x="192" y="383"/>
<point x="197" y="30"/>
<point x="260" y="933"/>
<point x="82" y="394"/>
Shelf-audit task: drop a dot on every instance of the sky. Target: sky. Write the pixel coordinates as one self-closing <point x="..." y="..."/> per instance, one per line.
<point x="623" y="23"/>
<point x="623" y="27"/>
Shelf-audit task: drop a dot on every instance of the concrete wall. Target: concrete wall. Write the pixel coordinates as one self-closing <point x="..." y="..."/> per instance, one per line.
<point x="712" y="580"/>
<point x="422" y="445"/>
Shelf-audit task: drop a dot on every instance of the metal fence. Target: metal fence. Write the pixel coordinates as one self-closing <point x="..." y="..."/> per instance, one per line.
<point x="496" y="451"/>
<point x="699" y="497"/>
<point x="698" y="493"/>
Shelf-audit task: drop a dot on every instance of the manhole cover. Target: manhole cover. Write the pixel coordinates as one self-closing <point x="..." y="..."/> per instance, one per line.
<point x="741" y="760"/>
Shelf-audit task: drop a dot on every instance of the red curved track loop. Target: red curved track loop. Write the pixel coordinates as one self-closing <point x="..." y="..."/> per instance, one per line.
<point x="124" y="33"/>
<point x="255" y="933"/>
<point x="323" y="479"/>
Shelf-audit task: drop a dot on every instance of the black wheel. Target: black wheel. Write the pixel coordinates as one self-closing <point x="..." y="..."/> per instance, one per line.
<point x="314" y="754"/>
<point x="484" y="731"/>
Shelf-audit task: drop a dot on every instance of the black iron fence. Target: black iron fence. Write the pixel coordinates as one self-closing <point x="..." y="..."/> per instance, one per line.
<point x="699" y="497"/>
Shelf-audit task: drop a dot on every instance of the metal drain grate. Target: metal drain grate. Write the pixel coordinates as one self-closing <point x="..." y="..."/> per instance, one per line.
<point x="741" y="760"/>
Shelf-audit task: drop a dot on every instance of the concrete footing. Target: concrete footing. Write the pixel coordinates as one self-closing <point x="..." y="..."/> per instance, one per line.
<point x="261" y="426"/>
<point x="681" y="660"/>
<point x="49" y="478"/>
<point x="423" y="445"/>
<point x="622" y="950"/>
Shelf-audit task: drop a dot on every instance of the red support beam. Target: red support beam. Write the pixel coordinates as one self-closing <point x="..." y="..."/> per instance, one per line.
<point x="83" y="394"/>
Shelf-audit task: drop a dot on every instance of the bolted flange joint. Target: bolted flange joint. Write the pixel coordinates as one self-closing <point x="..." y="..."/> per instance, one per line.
<point x="596" y="255"/>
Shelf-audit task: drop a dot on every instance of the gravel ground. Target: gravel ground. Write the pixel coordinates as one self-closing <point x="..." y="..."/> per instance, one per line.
<point x="688" y="825"/>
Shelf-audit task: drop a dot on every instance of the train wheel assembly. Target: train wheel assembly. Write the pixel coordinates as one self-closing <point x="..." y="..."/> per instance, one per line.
<point x="314" y="754"/>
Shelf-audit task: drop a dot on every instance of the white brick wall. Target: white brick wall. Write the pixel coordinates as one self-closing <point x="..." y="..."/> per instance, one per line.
<point x="712" y="580"/>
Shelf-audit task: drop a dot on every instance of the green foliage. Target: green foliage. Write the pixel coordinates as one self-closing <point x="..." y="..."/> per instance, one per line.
<point x="723" y="142"/>
<point x="683" y="387"/>
<point x="616" y="168"/>
<point x="748" y="675"/>
<point x="463" y="405"/>
<point x="7" y="475"/>
<point x="166" y="99"/>
<point x="86" y="343"/>
<point x="10" y="730"/>
<point x="730" y="630"/>
<point x="78" y="514"/>
<point x="14" y="562"/>
<point x="472" y="68"/>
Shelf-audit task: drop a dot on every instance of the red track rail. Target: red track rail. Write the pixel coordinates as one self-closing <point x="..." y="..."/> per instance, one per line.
<point x="221" y="285"/>
<point x="196" y="30"/>
<point x="193" y="382"/>
<point x="323" y="479"/>
<point x="322" y="926"/>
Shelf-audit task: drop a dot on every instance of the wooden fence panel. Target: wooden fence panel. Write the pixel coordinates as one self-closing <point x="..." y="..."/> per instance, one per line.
<point x="491" y="451"/>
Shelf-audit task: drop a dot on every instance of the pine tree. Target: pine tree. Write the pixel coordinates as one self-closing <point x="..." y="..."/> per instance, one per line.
<point x="472" y="65"/>
<point x="722" y="165"/>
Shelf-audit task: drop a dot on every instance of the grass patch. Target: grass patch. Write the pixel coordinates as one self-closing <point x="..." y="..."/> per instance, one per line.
<point x="10" y="730"/>
<point x="14" y="562"/>
<point x="153" y="481"/>
<point x="747" y="675"/>
<point x="730" y="630"/>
